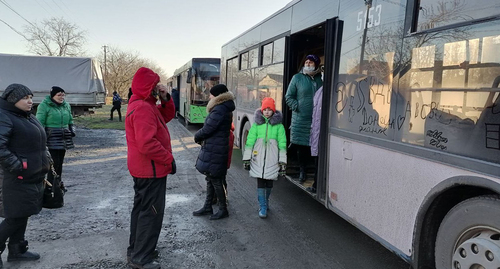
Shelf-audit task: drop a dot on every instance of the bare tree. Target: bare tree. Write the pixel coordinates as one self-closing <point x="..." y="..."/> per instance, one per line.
<point x="55" y="37"/>
<point x="121" y="67"/>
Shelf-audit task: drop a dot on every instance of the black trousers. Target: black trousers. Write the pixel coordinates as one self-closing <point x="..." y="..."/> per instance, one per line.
<point x="146" y="218"/>
<point x="117" y="108"/>
<point x="316" y="167"/>
<point x="303" y="154"/>
<point x="12" y="229"/>
<point x="58" y="157"/>
<point x="264" y="183"/>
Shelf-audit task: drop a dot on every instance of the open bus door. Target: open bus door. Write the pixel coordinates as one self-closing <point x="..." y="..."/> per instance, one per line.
<point x="332" y="54"/>
<point x="322" y="40"/>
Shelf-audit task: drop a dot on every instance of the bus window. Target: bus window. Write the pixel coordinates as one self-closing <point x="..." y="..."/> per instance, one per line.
<point x="267" y="54"/>
<point x="449" y="97"/>
<point x="434" y="13"/>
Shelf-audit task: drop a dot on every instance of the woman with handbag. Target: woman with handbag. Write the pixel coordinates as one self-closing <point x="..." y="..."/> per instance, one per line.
<point x="54" y="113"/>
<point x="24" y="163"/>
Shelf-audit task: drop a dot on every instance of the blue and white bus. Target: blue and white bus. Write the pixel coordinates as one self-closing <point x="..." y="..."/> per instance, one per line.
<point x="410" y="140"/>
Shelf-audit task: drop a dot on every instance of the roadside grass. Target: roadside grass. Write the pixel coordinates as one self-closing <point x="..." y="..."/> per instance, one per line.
<point x="99" y="119"/>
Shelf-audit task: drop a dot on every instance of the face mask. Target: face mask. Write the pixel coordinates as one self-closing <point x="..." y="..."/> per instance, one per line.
<point x="308" y="69"/>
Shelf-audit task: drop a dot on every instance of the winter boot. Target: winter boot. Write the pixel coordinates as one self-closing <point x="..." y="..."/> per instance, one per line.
<point x="221" y="197"/>
<point x="261" y="194"/>
<point x="207" y="207"/>
<point x="19" y="252"/>
<point x="151" y="265"/>
<point x="302" y="174"/>
<point x="268" y="193"/>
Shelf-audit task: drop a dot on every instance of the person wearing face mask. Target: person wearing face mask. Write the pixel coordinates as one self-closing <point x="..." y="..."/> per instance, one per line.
<point x="299" y="98"/>
<point x="54" y="113"/>
<point x="149" y="161"/>
<point x="24" y="162"/>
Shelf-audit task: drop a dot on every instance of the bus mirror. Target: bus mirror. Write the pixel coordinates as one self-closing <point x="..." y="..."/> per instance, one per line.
<point x="189" y="75"/>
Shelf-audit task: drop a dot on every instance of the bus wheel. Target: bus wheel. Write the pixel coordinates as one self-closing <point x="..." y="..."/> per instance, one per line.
<point x="469" y="236"/>
<point x="244" y="134"/>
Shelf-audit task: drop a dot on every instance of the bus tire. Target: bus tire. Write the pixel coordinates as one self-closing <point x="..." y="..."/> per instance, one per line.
<point x="469" y="235"/>
<point x="244" y="134"/>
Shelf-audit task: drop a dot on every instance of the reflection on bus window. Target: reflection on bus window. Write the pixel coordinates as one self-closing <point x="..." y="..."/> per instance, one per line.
<point x="434" y="13"/>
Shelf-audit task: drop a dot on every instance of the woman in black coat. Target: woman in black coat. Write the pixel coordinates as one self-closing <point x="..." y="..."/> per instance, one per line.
<point x="24" y="162"/>
<point x="213" y="157"/>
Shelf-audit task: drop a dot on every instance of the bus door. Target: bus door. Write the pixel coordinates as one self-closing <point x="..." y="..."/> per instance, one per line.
<point x="333" y="40"/>
<point x="301" y="44"/>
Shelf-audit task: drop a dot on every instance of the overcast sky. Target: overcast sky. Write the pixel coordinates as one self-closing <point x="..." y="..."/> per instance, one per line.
<point x="169" y="32"/>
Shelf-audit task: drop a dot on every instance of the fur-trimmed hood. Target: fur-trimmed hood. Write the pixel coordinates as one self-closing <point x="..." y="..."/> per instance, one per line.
<point x="276" y="118"/>
<point x="221" y="98"/>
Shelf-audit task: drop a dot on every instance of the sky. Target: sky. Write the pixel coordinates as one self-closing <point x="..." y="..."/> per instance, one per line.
<point x="168" y="32"/>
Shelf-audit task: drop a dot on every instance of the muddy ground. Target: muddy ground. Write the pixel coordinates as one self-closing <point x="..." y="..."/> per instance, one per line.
<point x="91" y="230"/>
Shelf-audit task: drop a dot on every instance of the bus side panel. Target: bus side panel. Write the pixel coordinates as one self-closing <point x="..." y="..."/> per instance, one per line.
<point x="366" y="195"/>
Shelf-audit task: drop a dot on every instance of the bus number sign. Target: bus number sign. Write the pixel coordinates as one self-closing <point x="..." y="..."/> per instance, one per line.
<point x="374" y="17"/>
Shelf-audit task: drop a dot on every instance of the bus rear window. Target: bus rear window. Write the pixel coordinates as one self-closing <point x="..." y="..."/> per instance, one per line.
<point x="433" y="14"/>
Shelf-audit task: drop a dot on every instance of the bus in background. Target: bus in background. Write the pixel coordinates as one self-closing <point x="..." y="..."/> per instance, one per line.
<point x="194" y="81"/>
<point x="410" y="137"/>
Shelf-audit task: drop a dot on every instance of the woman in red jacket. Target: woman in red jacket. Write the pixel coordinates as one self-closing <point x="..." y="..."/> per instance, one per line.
<point x="149" y="160"/>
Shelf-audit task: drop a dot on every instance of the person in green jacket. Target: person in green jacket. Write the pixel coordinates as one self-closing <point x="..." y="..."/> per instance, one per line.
<point x="265" y="151"/>
<point x="54" y="113"/>
<point x="299" y="98"/>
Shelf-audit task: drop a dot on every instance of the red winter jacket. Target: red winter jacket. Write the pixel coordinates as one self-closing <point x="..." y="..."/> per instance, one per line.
<point x="148" y="140"/>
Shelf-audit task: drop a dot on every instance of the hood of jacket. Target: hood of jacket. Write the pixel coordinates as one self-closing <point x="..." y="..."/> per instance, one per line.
<point x="220" y="99"/>
<point x="276" y="118"/>
<point x="143" y="83"/>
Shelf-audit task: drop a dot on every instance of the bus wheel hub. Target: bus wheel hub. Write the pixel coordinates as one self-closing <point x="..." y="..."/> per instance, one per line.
<point x="478" y="252"/>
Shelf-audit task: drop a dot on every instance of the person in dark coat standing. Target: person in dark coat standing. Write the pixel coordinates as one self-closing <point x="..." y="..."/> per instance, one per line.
<point x="175" y="96"/>
<point x="299" y="98"/>
<point x="117" y="105"/>
<point x="213" y="157"/>
<point x="25" y="161"/>
<point x="149" y="161"/>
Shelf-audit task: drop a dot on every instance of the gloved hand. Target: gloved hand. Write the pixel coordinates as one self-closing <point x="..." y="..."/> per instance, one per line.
<point x="174" y="168"/>
<point x="282" y="171"/>
<point x="246" y="165"/>
<point x="72" y="130"/>
<point x="197" y="140"/>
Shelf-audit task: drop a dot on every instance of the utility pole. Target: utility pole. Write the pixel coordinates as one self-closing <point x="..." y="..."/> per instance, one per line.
<point x="105" y="67"/>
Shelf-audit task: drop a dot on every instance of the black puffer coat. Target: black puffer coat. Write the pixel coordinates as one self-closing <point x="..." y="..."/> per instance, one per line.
<point x="214" y="136"/>
<point x="22" y="140"/>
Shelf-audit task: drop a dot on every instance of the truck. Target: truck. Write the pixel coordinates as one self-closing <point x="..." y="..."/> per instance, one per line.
<point x="81" y="78"/>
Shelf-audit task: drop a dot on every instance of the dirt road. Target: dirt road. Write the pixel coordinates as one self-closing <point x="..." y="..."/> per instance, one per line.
<point x="91" y="230"/>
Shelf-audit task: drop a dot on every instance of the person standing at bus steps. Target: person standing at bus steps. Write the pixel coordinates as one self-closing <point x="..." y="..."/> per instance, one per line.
<point x="54" y="113"/>
<point x="149" y="161"/>
<point x="299" y="98"/>
<point x="24" y="162"/>
<point x="265" y="151"/>
<point x="175" y="97"/>
<point x="117" y="105"/>
<point x="213" y="157"/>
<point x="314" y="140"/>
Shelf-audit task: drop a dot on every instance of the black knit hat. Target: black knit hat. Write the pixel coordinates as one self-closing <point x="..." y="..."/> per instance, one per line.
<point x="218" y="89"/>
<point x="15" y="92"/>
<point x="55" y="90"/>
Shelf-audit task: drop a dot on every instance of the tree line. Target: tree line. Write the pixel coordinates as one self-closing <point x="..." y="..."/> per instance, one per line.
<point x="58" y="37"/>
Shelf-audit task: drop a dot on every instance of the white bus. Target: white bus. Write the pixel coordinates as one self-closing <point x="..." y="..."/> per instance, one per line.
<point x="410" y="140"/>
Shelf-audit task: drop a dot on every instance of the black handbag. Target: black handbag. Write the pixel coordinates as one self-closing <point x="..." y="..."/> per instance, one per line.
<point x="53" y="196"/>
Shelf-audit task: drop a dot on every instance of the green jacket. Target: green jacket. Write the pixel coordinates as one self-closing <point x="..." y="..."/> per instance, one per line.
<point x="52" y="115"/>
<point x="266" y="146"/>
<point x="299" y="97"/>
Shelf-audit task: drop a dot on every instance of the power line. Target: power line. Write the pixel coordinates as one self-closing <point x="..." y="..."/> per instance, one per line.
<point x="8" y="6"/>
<point x="14" y="29"/>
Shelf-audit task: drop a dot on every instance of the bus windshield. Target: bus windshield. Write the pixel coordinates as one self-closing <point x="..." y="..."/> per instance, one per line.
<point x="205" y="76"/>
